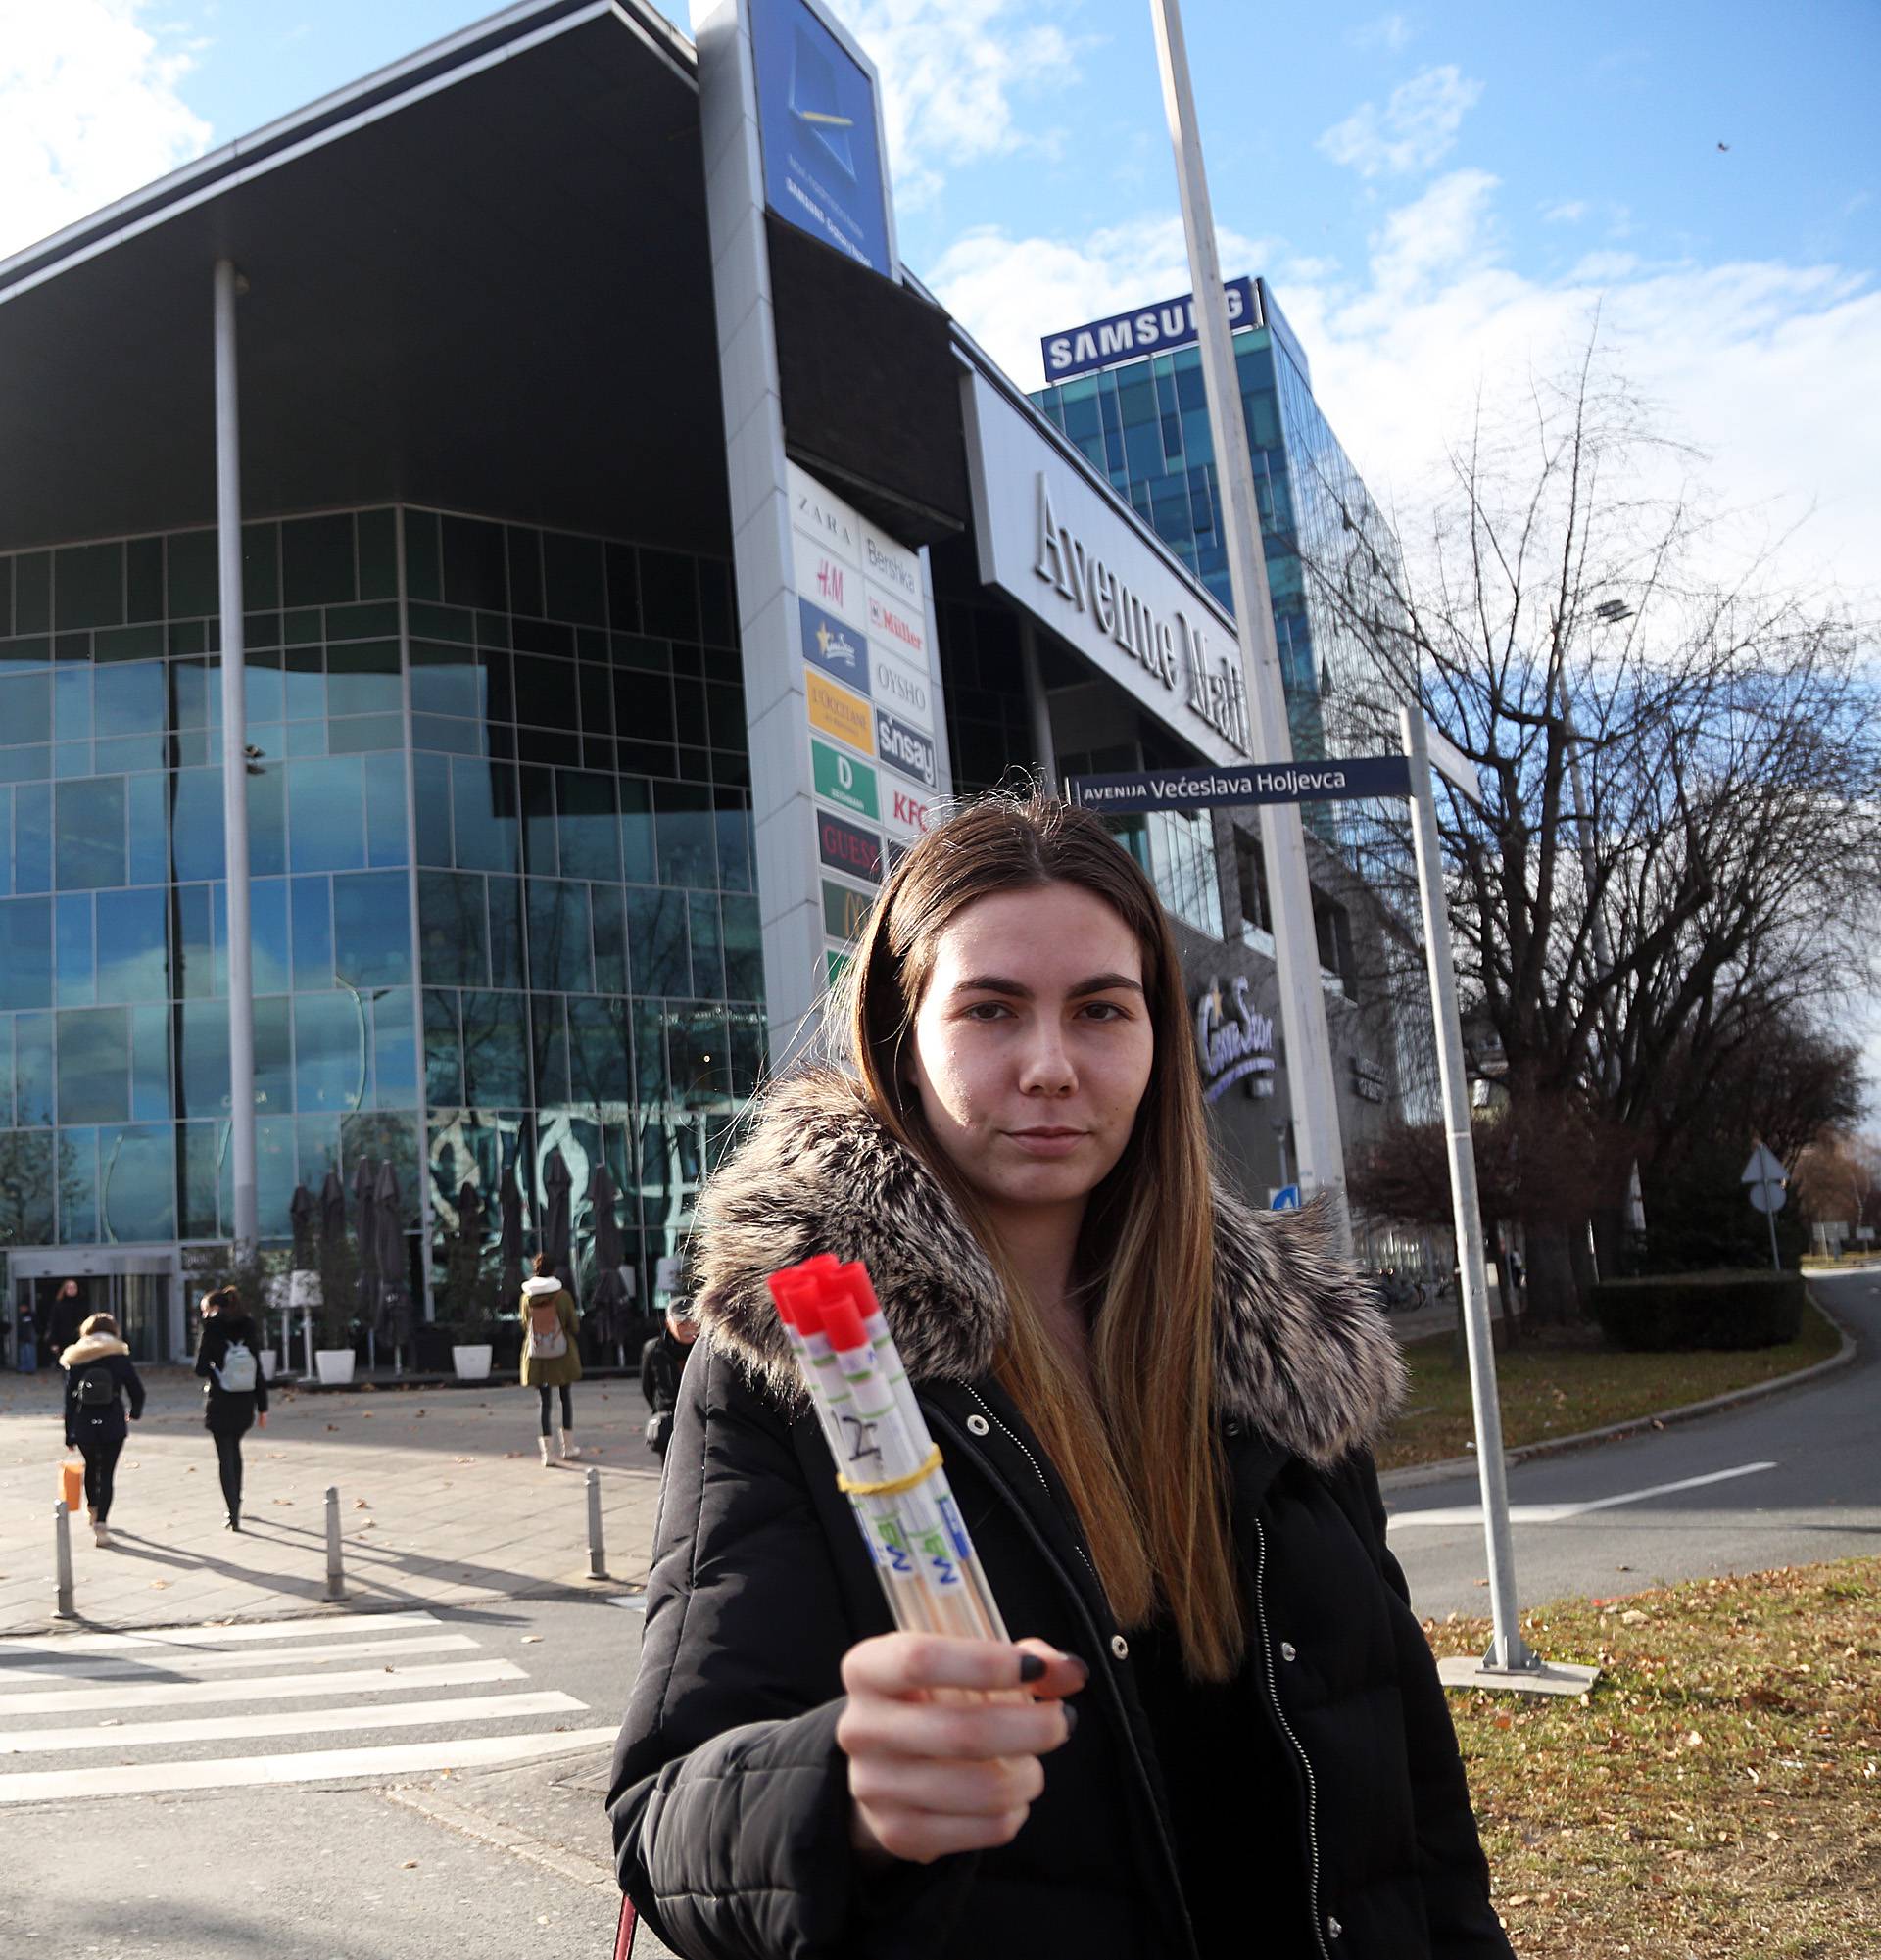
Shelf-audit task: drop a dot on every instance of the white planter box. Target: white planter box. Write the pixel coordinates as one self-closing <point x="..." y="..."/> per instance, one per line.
<point x="333" y="1365"/>
<point x="472" y="1362"/>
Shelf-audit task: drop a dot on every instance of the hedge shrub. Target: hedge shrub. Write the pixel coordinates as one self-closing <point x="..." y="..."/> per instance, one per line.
<point x="1700" y="1310"/>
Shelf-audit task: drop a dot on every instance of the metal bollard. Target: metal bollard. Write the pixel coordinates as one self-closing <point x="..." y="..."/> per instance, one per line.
<point x="62" y="1544"/>
<point x="597" y="1550"/>
<point x="335" y="1571"/>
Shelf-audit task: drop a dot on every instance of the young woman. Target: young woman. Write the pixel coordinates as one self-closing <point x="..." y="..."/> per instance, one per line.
<point x="551" y="1353"/>
<point x="99" y="1377"/>
<point x="234" y="1388"/>
<point x="1156" y="1409"/>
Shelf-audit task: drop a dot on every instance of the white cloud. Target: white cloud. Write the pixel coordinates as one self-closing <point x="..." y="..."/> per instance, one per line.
<point x="90" y="110"/>
<point x="1772" y="368"/>
<point x="1417" y="127"/>
<point x="950" y="71"/>
<point x="1567" y="210"/>
<point x="1390" y="31"/>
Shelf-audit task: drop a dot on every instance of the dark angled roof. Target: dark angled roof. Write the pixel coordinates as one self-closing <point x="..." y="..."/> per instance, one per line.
<point x="478" y="278"/>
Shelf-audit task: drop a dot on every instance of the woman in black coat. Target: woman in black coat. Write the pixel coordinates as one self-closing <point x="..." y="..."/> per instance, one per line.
<point x="1222" y="1732"/>
<point x="98" y="1378"/>
<point x="234" y="1389"/>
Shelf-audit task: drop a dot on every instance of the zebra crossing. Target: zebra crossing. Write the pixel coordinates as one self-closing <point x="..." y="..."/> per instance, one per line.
<point x="175" y="1709"/>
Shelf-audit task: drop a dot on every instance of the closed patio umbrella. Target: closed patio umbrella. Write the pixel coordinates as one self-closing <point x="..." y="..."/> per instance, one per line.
<point x="558" y="1189"/>
<point x="612" y="1301"/>
<point x="365" y="1230"/>
<point x="510" y="1239"/>
<point x="303" y="1212"/>
<point x="394" y="1316"/>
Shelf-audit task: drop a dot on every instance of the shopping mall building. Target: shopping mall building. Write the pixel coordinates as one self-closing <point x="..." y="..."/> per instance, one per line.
<point x="631" y="554"/>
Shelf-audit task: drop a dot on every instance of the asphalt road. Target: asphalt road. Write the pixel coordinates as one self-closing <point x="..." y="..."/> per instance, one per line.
<point x="1795" y="1478"/>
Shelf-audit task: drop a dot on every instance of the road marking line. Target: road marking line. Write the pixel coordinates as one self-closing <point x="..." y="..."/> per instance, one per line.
<point x="281" y="1688"/>
<point x="288" y="1722"/>
<point x="103" y="1668"/>
<point x="210" y="1636"/>
<point x="1554" y="1514"/>
<point x="310" y="1766"/>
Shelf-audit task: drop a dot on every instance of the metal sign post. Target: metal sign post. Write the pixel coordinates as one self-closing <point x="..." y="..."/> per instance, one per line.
<point x="1767" y="1178"/>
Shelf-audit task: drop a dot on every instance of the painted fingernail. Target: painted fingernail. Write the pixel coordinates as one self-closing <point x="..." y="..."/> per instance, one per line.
<point x="1071" y="1717"/>
<point x="1082" y="1667"/>
<point x="1032" y="1667"/>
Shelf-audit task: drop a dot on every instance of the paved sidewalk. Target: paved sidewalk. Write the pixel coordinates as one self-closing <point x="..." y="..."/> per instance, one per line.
<point x="442" y="1503"/>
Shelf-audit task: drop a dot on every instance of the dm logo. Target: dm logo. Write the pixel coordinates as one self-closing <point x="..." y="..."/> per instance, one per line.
<point x="834" y="647"/>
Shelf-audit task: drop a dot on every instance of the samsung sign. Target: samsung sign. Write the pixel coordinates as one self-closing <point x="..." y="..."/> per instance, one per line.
<point x="1053" y="540"/>
<point x="1149" y="330"/>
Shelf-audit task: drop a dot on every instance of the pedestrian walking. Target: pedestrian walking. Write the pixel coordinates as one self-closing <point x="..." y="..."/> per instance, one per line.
<point x="99" y="1379"/>
<point x="551" y="1353"/>
<point x="1157" y="1408"/>
<point x="66" y="1322"/>
<point x="662" y="1367"/>
<point x="234" y="1389"/>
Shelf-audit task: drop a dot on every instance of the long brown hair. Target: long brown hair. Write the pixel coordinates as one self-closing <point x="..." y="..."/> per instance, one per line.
<point x="1138" y="1457"/>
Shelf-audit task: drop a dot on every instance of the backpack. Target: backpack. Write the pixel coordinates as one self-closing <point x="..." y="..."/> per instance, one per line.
<point x="97" y="1386"/>
<point x="236" y="1376"/>
<point x="546" y="1341"/>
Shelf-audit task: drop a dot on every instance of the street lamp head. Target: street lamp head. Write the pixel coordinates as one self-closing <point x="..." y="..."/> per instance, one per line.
<point x="1610" y="611"/>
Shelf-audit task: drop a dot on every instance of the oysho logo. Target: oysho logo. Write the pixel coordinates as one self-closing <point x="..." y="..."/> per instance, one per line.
<point x="895" y="683"/>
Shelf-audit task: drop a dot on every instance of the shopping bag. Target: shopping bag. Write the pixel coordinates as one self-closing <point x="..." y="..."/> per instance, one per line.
<point x="71" y="1486"/>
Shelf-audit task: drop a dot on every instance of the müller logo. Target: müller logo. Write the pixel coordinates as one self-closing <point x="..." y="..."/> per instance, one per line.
<point x="897" y="626"/>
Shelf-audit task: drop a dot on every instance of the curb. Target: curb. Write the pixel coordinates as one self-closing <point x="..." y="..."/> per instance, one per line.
<point x="1412" y="1475"/>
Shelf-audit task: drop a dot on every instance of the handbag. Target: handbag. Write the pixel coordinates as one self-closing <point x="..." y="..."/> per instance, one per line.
<point x="71" y="1486"/>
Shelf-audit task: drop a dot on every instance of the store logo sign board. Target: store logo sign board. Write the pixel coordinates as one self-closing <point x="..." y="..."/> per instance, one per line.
<point x="898" y="687"/>
<point x="837" y="712"/>
<point x="1057" y="544"/>
<point x="844" y="910"/>
<point x="819" y="130"/>
<point x="848" y="847"/>
<point x="1233" y="1042"/>
<point x="841" y="780"/>
<point x="906" y="748"/>
<point x="904" y="811"/>
<point x="834" y="645"/>
<point x="1148" y="330"/>
<point x="897" y="627"/>
<point x="828" y="579"/>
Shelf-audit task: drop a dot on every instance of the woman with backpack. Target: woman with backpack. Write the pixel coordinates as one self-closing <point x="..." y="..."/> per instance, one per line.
<point x="235" y="1389"/>
<point x="551" y="1353"/>
<point x="98" y="1376"/>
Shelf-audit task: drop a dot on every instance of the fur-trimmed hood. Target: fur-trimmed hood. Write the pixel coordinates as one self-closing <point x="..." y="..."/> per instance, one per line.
<point x="1303" y="1351"/>
<point x="91" y="1348"/>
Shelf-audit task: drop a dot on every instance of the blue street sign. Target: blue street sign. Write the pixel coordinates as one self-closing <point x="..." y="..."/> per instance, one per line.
<point x="1228" y="785"/>
<point x="1286" y="1199"/>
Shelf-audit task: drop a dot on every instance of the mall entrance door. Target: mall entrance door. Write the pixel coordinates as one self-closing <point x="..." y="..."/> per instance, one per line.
<point x="138" y="1289"/>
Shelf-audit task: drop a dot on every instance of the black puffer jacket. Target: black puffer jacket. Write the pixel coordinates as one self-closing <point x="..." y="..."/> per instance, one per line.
<point x="92" y="1424"/>
<point x="730" y="1800"/>
<point x="228" y="1412"/>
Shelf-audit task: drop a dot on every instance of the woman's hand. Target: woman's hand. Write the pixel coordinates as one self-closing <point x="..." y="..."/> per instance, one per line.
<point x="933" y="1772"/>
<point x="260" y="1420"/>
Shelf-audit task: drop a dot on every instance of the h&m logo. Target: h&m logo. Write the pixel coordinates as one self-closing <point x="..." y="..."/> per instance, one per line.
<point x="828" y="582"/>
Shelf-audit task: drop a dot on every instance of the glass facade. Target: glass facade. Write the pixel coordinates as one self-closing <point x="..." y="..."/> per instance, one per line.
<point x="501" y="856"/>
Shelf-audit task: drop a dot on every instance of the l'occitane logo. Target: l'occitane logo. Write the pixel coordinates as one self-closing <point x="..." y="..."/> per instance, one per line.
<point x="837" y="712"/>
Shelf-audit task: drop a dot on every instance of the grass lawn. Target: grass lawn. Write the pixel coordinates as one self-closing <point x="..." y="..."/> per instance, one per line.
<point x="1720" y="1791"/>
<point x="1561" y="1391"/>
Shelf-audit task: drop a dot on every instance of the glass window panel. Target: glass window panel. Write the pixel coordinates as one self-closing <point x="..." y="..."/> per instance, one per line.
<point x="266" y="821"/>
<point x="273" y="1054"/>
<point x="432" y="782"/>
<point x="125" y="753"/>
<point x="392" y="1138"/>
<point x="575" y="578"/>
<point x="597" y="699"/>
<point x="146" y="803"/>
<point x="264" y="691"/>
<point x="363" y="678"/>
<point x="668" y="594"/>
<point x="305" y="737"/>
<point x="27" y="1215"/>
<point x="505" y="897"/>
<point x="32" y="591"/>
<point x="77" y="1174"/>
<point x="744" y="950"/>
<point x="331" y="1057"/>
<point x="559" y="945"/>
<point x="150" y="1099"/>
<point x="316" y="561"/>
<point x="525" y="571"/>
<point x="499" y="684"/>
<point x="35" y="1085"/>
<point x="716" y="625"/>
<point x="445" y="680"/>
<point x="474" y="572"/>
<point x="203" y="1066"/>
<point x="273" y="1176"/>
<point x="748" y="1052"/>
<point x="24" y="765"/>
<point x="684" y="827"/>
<point x="75" y="977"/>
<point x="589" y="830"/>
<point x="194" y="952"/>
<point x="496" y="1059"/>
<point x="89" y="586"/>
<point x="303" y="682"/>
<point x="379" y="553"/>
<point x="608" y="905"/>
<point x="539" y="822"/>
<point x="651" y="1081"/>
<point x="385" y="839"/>
<point x="709" y="958"/>
<point x="423" y="568"/>
<point x="450" y="736"/>
<point x="32" y="837"/>
<point x="202" y="1147"/>
<point x="395" y="1049"/>
<point x="197" y="824"/>
<point x="71" y="704"/>
<point x="69" y="759"/>
<point x="484" y="819"/>
<point x="134" y="947"/>
<point x="92" y="833"/>
<point x="656" y="941"/>
<point x="544" y="691"/>
<point x="310" y="901"/>
<point x="95" y="1065"/>
<point x="319" y="1138"/>
<point x="453" y="941"/>
<point x="25" y="952"/>
<point x="443" y="1051"/>
<point x="144" y="578"/>
<point x="365" y="735"/>
<point x="699" y="1052"/>
<point x="372" y="930"/>
<point x="360" y="622"/>
<point x="549" y="1031"/>
<point x="137" y="1184"/>
<point x="326" y="813"/>
<point x="270" y="961"/>
<point x="599" y="1054"/>
<point x="25" y="707"/>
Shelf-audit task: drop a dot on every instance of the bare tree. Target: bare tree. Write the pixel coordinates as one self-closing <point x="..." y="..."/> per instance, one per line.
<point x="1680" y="839"/>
